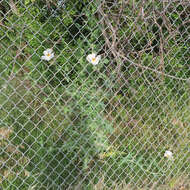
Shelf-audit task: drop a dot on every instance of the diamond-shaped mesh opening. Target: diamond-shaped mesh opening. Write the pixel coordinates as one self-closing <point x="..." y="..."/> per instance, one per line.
<point x="94" y="95"/>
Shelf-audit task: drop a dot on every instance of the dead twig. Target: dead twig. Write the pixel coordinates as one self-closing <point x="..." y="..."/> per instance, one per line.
<point x="161" y="44"/>
<point x="112" y="45"/>
<point x="150" y="69"/>
<point x="119" y="54"/>
<point x="13" y="7"/>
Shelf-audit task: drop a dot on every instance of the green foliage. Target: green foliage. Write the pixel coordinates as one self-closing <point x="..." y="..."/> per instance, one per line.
<point x="71" y="121"/>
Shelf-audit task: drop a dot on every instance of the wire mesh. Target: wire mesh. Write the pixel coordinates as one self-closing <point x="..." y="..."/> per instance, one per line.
<point x="94" y="94"/>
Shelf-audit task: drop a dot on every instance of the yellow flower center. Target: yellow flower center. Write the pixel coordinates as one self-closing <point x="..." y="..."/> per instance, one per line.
<point x="48" y="54"/>
<point x="93" y="59"/>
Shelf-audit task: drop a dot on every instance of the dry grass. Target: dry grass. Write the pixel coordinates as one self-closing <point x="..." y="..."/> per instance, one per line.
<point x="176" y="183"/>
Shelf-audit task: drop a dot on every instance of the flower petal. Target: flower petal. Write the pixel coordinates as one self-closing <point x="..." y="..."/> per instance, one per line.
<point x="47" y="58"/>
<point x="45" y="52"/>
<point x="51" y="56"/>
<point x="44" y="57"/>
<point x="93" y="55"/>
<point x="96" y="60"/>
<point x="88" y="58"/>
<point x="168" y="154"/>
<point x="48" y="51"/>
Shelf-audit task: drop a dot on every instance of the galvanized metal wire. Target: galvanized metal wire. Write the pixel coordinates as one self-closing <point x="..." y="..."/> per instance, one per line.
<point x="94" y="94"/>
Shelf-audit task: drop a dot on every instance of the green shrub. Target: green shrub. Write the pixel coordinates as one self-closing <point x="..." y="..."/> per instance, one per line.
<point x="69" y="122"/>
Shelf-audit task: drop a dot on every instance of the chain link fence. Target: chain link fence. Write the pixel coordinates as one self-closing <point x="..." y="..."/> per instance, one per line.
<point x="94" y="94"/>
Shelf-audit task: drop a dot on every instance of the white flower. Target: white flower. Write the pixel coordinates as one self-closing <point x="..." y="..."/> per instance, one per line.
<point x="168" y="154"/>
<point x="92" y="58"/>
<point x="48" y="55"/>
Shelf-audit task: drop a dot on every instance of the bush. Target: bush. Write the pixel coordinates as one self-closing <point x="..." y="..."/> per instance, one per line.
<point x="66" y="122"/>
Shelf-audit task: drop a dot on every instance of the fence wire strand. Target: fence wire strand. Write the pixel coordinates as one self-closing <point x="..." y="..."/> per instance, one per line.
<point x="94" y="95"/>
